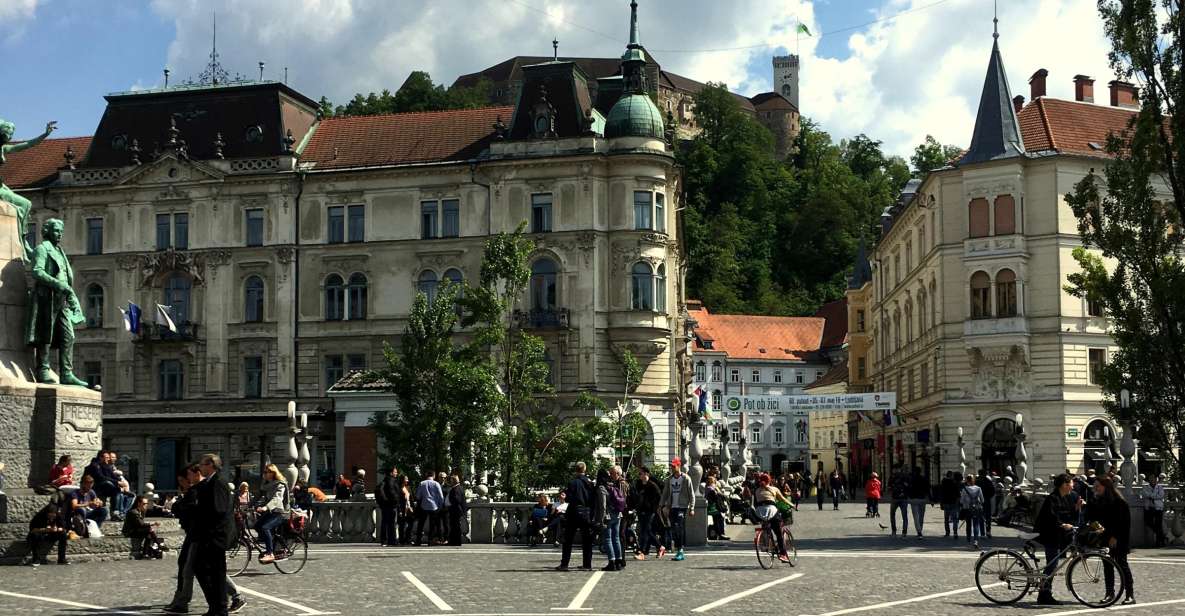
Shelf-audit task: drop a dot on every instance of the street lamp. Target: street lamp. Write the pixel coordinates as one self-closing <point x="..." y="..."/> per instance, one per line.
<point x="1022" y="466"/>
<point x="1127" y="447"/>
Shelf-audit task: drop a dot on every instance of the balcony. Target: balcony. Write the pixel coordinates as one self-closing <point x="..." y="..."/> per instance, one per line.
<point x="996" y="339"/>
<point x="995" y="246"/>
<point x="187" y="331"/>
<point x="554" y="318"/>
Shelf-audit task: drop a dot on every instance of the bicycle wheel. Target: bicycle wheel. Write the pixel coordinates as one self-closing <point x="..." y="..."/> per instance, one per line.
<point x="1087" y="579"/>
<point x="238" y="557"/>
<point x="767" y="550"/>
<point x="1003" y="576"/>
<point x="791" y="549"/>
<point x="295" y="552"/>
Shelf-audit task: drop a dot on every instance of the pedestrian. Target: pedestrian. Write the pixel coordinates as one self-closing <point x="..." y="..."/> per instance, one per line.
<point x="647" y="494"/>
<point x="1058" y="513"/>
<point x="899" y="494"/>
<point x="1152" y="498"/>
<point x="215" y="531"/>
<point x="971" y="508"/>
<point x="715" y="503"/>
<point x="358" y="486"/>
<point x="184" y="510"/>
<point x="341" y="490"/>
<point x="766" y="508"/>
<point x="142" y="532"/>
<point x="948" y="497"/>
<point x="581" y="496"/>
<point x="988" y="487"/>
<point x="835" y="483"/>
<point x="243" y="495"/>
<point x="872" y="492"/>
<point x="403" y="506"/>
<point x="387" y="499"/>
<point x="919" y="497"/>
<point x="821" y="488"/>
<point x="606" y="513"/>
<point x="47" y="526"/>
<point x="431" y="498"/>
<point x="678" y="501"/>
<point x="456" y="506"/>
<point x="272" y="509"/>
<point x="1109" y="509"/>
<point x="62" y="473"/>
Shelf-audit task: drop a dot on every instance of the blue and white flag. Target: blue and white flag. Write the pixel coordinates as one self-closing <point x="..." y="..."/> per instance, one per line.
<point x="163" y="319"/>
<point x="131" y="318"/>
<point x="702" y="394"/>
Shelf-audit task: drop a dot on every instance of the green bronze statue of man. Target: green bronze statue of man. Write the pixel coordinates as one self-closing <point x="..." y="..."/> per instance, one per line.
<point x="19" y="203"/>
<point x="53" y="307"/>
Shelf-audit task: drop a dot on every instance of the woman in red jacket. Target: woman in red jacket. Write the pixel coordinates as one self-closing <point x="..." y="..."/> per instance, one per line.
<point x="62" y="473"/>
<point x="872" y="491"/>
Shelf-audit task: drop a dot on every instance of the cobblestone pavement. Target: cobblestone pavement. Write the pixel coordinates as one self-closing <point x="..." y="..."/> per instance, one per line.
<point x="847" y="565"/>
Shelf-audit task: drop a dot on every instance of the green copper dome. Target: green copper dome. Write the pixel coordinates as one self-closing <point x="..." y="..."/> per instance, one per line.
<point x="634" y="115"/>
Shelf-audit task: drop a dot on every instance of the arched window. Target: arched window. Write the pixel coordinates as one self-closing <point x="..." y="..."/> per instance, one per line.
<point x="921" y="312"/>
<point x="335" y="298"/>
<point x="933" y="304"/>
<point x="660" y="288"/>
<point x="543" y="284"/>
<point x="999" y="445"/>
<point x="356" y="297"/>
<point x="454" y="276"/>
<point x="253" y="300"/>
<point x="177" y="292"/>
<point x="642" y="293"/>
<point x="94" y="306"/>
<point x="908" y="321"/>
<point x="717" y="372"/>
<point x="1006" y="293"/>
<point x="977" y="218"/>
<point x="427" y="284"/>
<point x="896" y="330"/>
<point x="981" y="307"/>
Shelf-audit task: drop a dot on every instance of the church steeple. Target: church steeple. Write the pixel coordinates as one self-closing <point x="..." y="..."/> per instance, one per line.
<point x="997" y="131"/>
<point x="633" y="61"/>
<point x="634" y="114"/>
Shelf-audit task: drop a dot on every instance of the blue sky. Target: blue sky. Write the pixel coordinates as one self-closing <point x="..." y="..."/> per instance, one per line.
<point x="896" y="80"/>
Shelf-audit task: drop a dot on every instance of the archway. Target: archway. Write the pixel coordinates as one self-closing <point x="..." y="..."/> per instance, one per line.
<point x="998" y="446"/>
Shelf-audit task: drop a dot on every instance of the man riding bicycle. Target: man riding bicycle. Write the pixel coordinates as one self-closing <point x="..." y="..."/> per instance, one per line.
<point x="766" y="499"/>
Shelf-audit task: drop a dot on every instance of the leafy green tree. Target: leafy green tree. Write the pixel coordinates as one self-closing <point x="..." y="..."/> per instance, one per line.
<point x="417" y="93"/>
<point x="1130" y="220"/>
<point x="325" y="107"/>
<point x="930" y="155"/>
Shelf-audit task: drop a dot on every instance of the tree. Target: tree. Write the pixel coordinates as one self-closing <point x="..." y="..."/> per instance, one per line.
<point x="417" y="93"/>
<point x="930" y="155"/>
<point x="1130" y="221"/>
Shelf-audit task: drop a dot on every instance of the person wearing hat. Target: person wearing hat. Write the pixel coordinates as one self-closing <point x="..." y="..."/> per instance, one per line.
<point x="678" y="501"/>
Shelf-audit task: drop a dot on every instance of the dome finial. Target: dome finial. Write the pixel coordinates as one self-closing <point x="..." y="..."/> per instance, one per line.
<point x="634" y="39"/>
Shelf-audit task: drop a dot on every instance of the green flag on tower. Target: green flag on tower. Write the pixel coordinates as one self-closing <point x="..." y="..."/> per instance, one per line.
<point x="802" y="29"/>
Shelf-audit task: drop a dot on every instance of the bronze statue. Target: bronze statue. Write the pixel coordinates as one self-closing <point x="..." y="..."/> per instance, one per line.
<point x="53" y="307"/>
<point x="19" y="203"/>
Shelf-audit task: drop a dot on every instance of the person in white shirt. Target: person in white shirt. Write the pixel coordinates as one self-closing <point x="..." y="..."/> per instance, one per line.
<point x="678" y="501"/>
<point x="1152" y="496"/>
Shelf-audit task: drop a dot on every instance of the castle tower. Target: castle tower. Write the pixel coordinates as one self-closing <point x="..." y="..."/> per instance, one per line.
<point x="786" y="77"/>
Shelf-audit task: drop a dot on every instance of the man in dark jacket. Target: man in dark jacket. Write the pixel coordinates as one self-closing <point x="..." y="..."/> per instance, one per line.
<point x="645" y="496"/>
<point x="102" y="469"/>
<point x="386" y="496"/>
<point x="456" y="506"/>
<point x="47" y="526"/>
<point x="1058" y="514"/>
<point x="581" y="499"/>
<point x="899" y="499"/>
<point x="988" y="487"/>
<point x="949" y="493"/>
<point x="214" y="531"/>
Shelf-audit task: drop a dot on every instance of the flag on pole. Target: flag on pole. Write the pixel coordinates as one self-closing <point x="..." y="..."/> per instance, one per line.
<point x="802" y="29"/>
<point x="131" y="318"/>
<point x="163" y="318"/>
<point x="702" y="396"/>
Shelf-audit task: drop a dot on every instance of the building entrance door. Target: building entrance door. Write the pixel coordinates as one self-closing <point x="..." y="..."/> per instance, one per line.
<point x="169" y="458"/>
<point x="999" y="446"/>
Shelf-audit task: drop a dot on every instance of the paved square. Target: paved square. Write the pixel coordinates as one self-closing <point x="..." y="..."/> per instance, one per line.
<point x="847" y="565"/>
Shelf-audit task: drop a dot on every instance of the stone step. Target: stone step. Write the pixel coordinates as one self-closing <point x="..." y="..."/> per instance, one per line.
<point x="111" y="546"/>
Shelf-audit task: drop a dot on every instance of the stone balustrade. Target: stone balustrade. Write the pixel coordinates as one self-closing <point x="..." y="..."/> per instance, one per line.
<point x="499" y="522"/>
<point x="342" y="522"/>
<point x="1142" y="536"/>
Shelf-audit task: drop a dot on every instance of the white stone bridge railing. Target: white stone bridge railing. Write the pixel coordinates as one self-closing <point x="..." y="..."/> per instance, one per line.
<point x="357" y="522"/>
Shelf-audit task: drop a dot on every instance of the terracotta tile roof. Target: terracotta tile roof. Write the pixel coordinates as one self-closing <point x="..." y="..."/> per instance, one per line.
<point x="837" y="374"/>
<point x="357" y="381"/>
<point x="835" y="332"/>
<point x="744" y="336"/>
<point x="402" y="138"/>
<point x="38" y="164"/>
<point x="1070" y="127"/>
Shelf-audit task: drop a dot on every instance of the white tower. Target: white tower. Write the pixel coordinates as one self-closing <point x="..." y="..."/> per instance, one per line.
<point x="786" y="77"/>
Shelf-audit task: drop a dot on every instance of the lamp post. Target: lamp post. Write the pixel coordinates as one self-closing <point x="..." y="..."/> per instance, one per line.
<point x="290" y="470"/>
<point x="1127" y="447"/>
<point x="302" y="456"/>
<point x="1022" y="465"/>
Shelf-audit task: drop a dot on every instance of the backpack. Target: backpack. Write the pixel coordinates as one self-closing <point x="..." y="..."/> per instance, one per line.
<point x="616" y="500"/>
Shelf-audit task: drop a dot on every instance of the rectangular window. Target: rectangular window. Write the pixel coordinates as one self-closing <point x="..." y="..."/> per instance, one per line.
<point x="716" y="401"/>
<point x="171" y="379"/>
<point x="452" y="218"/>
<point x="660" y="212"/>
<point x="643" y="204"/>
<point x="253" y="377"/>
<point x="1098" y="359"/>
<point x="925" y="379"/>
<point x="701" y="372"/>
<point x="541" y="213"/>
<point x="337" y="224"/>
<point x="798" y="376"/>
<point x="357" y="223"/>
<point x="779" y="435"/>
<point x="335" y="369"/>
<point x="163" y="231"/>
<point x="181" y="231"/>
<point x="717" y="372"/>
<point x="935" y="374"/>
<point x="734" y="375"/>
<point x="1094" y="308"/>
<point x="254" y="227"/>
<point x="859" y="320"/>
<point x="755" y="376"/>
<point x="777" y="376"/>
<point x="909" y="387"/>
<point x="94" y="236"/>
<point x="862" y="368"/>
<point x="92" y="371"/>
<point x="355" y="362"/>
<point x="428" y="219"/>
<point x="755" y="435"/>
<point x="734" y="434"/>
<point x="818" y="374"/>
<point x="908" y="257"/>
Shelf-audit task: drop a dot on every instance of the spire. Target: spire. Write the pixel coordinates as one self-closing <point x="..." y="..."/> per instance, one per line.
<point x="214" y="74"/>
<point x="633" y="60"/>
<point x="634" y="25"/>
<point x="997" y="131"/>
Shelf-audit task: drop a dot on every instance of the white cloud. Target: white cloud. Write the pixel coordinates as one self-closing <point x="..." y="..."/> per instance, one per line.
<point x="904" y="78"/>
<point x="15" y="14"/>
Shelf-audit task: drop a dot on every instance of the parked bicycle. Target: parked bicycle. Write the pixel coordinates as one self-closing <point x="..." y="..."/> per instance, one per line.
<point x="289" y="546"/>
<point x="766" y="543"/>
<point x="1005" y="575"/>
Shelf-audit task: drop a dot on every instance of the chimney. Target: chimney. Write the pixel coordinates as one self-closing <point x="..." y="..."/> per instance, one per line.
<point x="1037" y="83"/>
<point x="1123" y="94"/>
<point x="1083" y="89"/>
<point x="1018" y="102"/>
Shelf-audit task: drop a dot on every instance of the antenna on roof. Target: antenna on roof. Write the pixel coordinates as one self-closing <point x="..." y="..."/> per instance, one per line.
<point x="261" y="65"/>
<point x="166" y="76"/>
<point x="995" y="19"/>
<point x="214" y="74"/>
<point x="285" y="75"/>
<point x="555" y="49"/>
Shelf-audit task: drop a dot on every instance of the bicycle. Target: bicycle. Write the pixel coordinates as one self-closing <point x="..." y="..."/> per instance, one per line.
<point x="289" y="546"/>
<point x="766" y="544"/>
<point x="1005" y="575"/>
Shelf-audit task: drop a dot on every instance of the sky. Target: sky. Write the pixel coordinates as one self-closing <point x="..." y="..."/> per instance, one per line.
<point x="895" y="70"/>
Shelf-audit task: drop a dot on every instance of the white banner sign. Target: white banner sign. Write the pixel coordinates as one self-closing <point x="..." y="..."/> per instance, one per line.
<point x="882" y="401"/>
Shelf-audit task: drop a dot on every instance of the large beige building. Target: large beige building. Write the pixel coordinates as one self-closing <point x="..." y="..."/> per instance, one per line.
<point x="963" y="312"/>
<point x="290" y="248"/>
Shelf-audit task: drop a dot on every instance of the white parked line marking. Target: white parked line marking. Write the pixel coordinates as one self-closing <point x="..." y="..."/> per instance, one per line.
<point x="304" y="610"/>
<point x="577" y="603"/>
<point x="427" y="592"/>
<point x="741" y="595"/>
<point x="853" y="610"/>
<point x="104" y="610"/>
<point x="1092" y="610"/>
